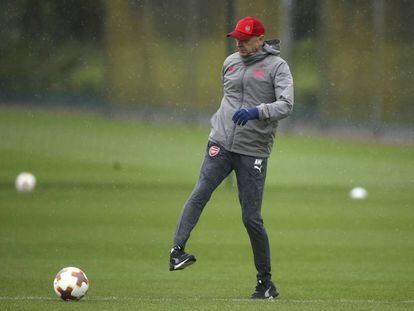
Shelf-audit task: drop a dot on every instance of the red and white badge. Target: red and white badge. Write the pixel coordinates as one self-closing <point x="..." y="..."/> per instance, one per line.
<point x="213" y="151"/>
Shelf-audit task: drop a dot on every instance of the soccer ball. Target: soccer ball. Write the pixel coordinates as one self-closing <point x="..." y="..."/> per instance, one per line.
<point x="71" y="283"/>
<point x="25" y="182"/>
<point x="358" y="193"/>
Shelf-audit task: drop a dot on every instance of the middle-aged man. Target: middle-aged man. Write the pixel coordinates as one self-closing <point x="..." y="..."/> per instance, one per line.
<point x="258" y="92"/>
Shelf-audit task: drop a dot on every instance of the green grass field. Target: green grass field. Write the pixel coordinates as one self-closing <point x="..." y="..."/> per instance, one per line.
<point x="110" y="192"/>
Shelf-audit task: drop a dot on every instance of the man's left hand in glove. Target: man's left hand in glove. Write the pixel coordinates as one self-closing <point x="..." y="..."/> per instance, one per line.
<point x="243" y="115"/>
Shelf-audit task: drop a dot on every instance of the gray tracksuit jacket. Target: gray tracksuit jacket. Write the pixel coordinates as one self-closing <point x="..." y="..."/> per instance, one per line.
<point x="266" y="84"/>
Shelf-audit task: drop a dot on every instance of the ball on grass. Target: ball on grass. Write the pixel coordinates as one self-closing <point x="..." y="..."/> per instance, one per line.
<point x="358" y="193"/>
<point x="71" y="283"/>
<point x="25" y="182"/>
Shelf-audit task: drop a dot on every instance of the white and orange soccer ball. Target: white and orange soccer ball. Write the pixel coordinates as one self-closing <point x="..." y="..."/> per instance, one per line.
<point x="25" y="182"/>
<point x="71" y="283"/>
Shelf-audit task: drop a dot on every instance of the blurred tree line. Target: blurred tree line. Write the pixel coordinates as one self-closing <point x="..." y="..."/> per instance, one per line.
<point x="351" y="60"/>
<point x="51" y="49"/>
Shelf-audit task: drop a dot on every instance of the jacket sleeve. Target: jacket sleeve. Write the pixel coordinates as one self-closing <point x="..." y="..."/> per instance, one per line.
<point x="224" y="68"/>
<point x="282" y="107"/>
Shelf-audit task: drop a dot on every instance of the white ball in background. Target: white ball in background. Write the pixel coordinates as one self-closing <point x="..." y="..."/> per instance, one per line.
<point x="358" y="193"/>
<point x="25" y="182"/>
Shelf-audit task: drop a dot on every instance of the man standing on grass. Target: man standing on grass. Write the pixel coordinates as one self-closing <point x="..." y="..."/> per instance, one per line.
<point x="258" y="92"/>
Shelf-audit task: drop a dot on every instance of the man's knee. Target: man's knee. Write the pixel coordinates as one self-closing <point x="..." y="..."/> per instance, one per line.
<point x="252" y="221"/>
<point x="201" y="193"/>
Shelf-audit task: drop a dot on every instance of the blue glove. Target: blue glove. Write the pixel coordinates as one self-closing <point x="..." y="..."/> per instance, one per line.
<point x="243" y="115"/>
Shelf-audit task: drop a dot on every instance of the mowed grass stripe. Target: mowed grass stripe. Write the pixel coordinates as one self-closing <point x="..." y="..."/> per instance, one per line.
<point x="196" y="299"/>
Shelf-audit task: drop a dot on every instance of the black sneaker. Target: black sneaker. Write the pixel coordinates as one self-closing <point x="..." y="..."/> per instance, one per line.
<point x="180" y="259"/>
<point x="265" y="290"/>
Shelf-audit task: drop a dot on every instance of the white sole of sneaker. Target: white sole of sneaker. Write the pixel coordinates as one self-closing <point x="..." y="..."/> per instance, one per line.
<point x="183" y="264"/>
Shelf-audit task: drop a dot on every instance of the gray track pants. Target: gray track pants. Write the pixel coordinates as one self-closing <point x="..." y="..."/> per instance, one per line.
<point x="251" y="175"/>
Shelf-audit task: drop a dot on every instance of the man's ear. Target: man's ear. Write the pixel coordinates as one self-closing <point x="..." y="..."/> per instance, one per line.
<point x="261" y="39"/>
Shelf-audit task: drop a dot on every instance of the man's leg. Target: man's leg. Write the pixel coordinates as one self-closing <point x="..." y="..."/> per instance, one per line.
<point x="216" y="166"/>
<point x="251" y="175"/>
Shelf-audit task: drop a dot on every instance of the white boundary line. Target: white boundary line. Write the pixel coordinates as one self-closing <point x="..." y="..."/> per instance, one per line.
<point x="138" y="299"/>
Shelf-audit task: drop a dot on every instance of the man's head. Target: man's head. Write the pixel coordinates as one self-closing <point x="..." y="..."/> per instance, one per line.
<point x="249" y="35"/>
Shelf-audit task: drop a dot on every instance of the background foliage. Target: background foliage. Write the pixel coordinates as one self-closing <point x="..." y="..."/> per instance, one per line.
<point x="351" y="60"/>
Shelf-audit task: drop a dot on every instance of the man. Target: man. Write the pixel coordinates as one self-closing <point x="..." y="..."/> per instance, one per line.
<point x="258" y="92"/>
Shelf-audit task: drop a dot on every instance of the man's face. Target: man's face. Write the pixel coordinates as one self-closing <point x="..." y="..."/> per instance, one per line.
<point x="249" y="47"/>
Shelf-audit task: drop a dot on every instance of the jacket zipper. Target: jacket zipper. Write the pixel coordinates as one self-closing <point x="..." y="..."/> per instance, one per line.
<point x="242" y="100"/>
